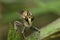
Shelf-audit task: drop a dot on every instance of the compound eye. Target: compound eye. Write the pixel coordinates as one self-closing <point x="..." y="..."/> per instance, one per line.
<point x="32" y="19"/>
<point x="26" y="19"/>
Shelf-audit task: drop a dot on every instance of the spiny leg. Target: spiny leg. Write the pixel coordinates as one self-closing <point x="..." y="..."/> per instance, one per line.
<point x="16" y="23"/>
<point x="15" y="29"/>
<point x="23" y="33"/>
<point x="36" y="29"/>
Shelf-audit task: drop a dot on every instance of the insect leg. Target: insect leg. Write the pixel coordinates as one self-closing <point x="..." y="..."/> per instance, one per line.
<point x="38" y="32"/>
<point x="23" y="33"/>
<point x="35" y="28"/>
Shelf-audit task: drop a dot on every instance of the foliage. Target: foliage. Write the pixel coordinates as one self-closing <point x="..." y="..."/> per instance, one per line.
<point x="37" y="7"/>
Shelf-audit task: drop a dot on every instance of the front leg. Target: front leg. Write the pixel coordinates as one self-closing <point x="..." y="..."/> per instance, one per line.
<point x="16" y="24"/>
<point x="23" y="33"/>
<point x="15" y="28"/>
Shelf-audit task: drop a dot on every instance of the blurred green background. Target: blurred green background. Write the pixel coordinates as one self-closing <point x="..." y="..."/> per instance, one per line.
<point x="44" y="11"/>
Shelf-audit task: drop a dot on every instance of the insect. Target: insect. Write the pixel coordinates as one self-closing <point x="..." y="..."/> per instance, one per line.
<point x="26" y="18"/>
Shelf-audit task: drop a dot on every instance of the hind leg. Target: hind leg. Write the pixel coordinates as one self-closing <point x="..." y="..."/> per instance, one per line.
<point x="38" y="32"/>
<point x="35" y="28"/>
